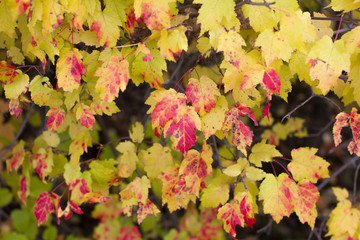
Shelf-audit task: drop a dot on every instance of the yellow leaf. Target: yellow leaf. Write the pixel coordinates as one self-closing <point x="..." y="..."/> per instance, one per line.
<point x="212" y="121"/>
<point x="215" y="194"/>
<point x="19" y="85"/>
<point x="157" y="158"/>
<point x="16" y="55"/>
<point x="231" y="44"/>
<point x="137" y="132"/>
<point x="262" y="152"/>
<point x="344" y="5"/>
<point x="322" y="27"/>
<point x="260" y="17"/>
<point x="213" y="13"/>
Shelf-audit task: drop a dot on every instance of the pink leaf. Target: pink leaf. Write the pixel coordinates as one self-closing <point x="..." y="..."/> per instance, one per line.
<point x="43" y="207"/>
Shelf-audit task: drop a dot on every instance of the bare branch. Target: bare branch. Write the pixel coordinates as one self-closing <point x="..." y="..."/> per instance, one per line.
<point x="287" y="116"/>
<point x="337" y="172"/>
<point x="249" y="2"/>
<point x="355" y="181"/>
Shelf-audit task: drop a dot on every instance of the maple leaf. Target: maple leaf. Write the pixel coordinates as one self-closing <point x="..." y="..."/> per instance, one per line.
<point x="183" y="131"/>
<point x="85" y="115"/>
<point x="18" y="85"/>
<point x="55" y="116"/>
<point x="157" y="158"/>
<point x="305" y="202"/>
<point x="7" y="72"/>
<point x="212" y="121"/>
<point x="43" y="207"/>
<point x="242" y="133"/>
<point x="261" y="17"/>
<point x="245" y="202"/>
<point x="17" y="158"/>
<point x="128" y="159"/>
<point x="213" y="13"/>
<point x="231" y="44"/>
<point x="351" y="120"/>
<point x="172" y="42"/>
<point x="195" y="168"/>
<point x="14" y="107"/>
<point x="344" y="219"/>
<point x="146" y="210"/>
<point x="43" y="162"/>
<point x="165" y="106"/>
<point x="41" y="90"/>
<point x="271" y="81"/>
<point x="79" y="188"/>
<point x="306" y="165"/>
<point x="277" y="194"/>
<point x="273" y="46"/>
<point x="202" y="93"/>
<point x="156" y="15"/>
<point x="262" y="152"/>
<point x="135" y="192"/>
<point x="113" y="76"/>
<point x="149" y="71"/>
<point x="345" y="6"/>
<point x="137" y="132"/>
<point x="352" y="40"/>
<point x="231" y="216"/>
<point x="69" y="69"/>
<point x="214" y="194"/>
<point x="330" y="60"/>
<point x="24" y="190"/>
<point x="174" y="190"/>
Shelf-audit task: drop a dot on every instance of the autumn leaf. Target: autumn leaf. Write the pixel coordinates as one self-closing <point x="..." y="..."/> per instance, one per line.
<point x="231" y="216"/>
<point x="305" y="202"/>
<point x="17" y="158"/>
<point x="242" y="133"/>
<point x="172" y="42"/>
<point x="344" y="219"/>
<point x="351" y="120"/>
<point x="137" y="132"/>
<point x="146" y="210"/>
<point x="43" y="162"/>
<point x="18" y="86"/>
<point x="128" y="159"/>
<point x="230" y="43"/>
<point x="85" y="115"/>
<point x="136" y="192"/>
<point x="24" y="188"/>
<point x="15" y="107"/>
<point x="157" y="158"/>
<point x="165" y="106"/>
<point x="183" y="131"/>
<point x="212" y="121"/>
<point x="156" y="15"/>
<point x="69" y="69"/>
<point x="214" y="13"/>
<point x="202" y="93"/>
<point x="43" y="207"/>
<point x="113" y="76"/>
<point x="55" y="116"/>
<point x="245" y="202"/>
<point x="7" y="72"/>
<point x="271" y="81"/>
<point x="214" y="195"/>
<point x="306" y="165"/>
<point x="277" y="194"/>
<point x="109" y="209"/>
<point x="174" y="191"/>
<point x="195" y="168"/>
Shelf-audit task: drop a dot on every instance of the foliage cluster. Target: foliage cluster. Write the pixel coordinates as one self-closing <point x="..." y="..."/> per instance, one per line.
<point x="210" y="149"/>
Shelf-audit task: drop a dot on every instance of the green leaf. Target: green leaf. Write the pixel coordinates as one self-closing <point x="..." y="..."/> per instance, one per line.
<point x="5" y="197"/>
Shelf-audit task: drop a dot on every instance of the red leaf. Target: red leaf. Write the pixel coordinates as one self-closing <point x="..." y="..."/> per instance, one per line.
<point x="55" y="116"/>
<point x="85" y="115"/>
<point x="14" y="107"/>
<point x="7" y="72"/>
<point x="23" y="189"/>
<point x="75" y="208"/>
<point x="266" y="111"/>
<point x="231" y="218"/>
<point x="352" y="120"/>
<point x="18" y="156"/>
<point x="43" y="207"/>
<point x="245" y="111"/>
<point x="183" y="132"/>
<point x="271" y="81"/>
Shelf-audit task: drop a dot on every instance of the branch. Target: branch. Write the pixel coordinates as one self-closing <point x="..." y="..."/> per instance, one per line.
<point x="249" y="2"/>
<point x="336" y="19"/>
<point x="337" y="172"/>
<point x="23" y="125"/>
<point x="287" y="116"/>
<point x="355" y="181"/>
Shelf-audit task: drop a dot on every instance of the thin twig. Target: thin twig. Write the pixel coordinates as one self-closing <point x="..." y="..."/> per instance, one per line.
<point x="355" y="181"/>
<point x="266" y="228"/>
<point x="335" y="19"/>
<point x="337" y="172"/>
<point x="217" y="158"/>
<point x="287" y="116"/>
<point x="228" y="147"/>
<point x="249" y="2"/>
<point x="331" y="101"/>
<point x="22" y="128"/>
<point x="321" y="130"/>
